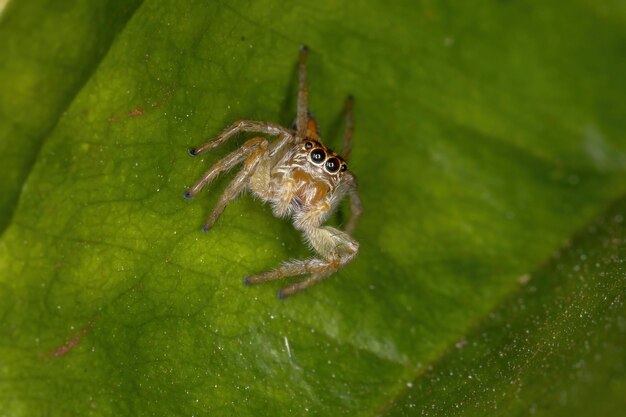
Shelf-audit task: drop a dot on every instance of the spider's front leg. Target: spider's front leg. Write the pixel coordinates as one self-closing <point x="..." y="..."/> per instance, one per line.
<point x="237" y="185"/>
<point x="235" y="157"/>
<point x="336" y="250"/>
<point x="255" y="150"/>
<point x="241" y="126"/>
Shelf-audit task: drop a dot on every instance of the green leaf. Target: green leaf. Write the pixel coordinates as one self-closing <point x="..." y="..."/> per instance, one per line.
<point x="556" y="348"/>
<point x="48" y="51"/>
<point x="488" y="137"/>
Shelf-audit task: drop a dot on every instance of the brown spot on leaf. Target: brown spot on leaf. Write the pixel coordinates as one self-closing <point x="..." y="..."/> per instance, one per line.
<point x="135" y="112"/>
<point x="65" y="348"/>
<point x="162" y="96"/>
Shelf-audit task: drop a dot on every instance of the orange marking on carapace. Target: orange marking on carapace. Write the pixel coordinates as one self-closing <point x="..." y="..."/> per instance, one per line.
<point x="311" y="129"/>
<point x="300" y="176"/>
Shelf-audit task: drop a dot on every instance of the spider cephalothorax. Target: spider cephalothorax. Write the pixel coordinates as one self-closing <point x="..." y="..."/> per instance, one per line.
<point x="301" y="179"/>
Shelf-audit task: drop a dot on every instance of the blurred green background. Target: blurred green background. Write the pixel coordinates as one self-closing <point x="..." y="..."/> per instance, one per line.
<point x="491" y="160"/>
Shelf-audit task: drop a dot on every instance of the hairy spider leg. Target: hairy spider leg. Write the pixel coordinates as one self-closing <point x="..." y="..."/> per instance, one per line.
<point x="240" y="126"/>
<point x="303" y="285"/>
<point x="349" y="132"/>
<point x="257" y="150"/>
<point x="225" y="164"/>
<point x="336" y="248"/>
<point x="302" y="119"/>
<point x="356" y="207"/>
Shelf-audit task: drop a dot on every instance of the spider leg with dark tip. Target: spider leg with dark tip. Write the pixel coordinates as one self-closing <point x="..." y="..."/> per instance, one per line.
<point x="237" y="156"/>
<point x="225" y="164"/>
<point x="256" y="150"/>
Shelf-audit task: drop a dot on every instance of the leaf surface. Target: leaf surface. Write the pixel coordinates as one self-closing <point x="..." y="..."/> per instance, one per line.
<point x="48" y="51"/>
<point x="488" y="136"/>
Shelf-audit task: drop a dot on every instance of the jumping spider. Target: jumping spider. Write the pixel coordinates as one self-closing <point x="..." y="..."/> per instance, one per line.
<point x="301" y="178"/>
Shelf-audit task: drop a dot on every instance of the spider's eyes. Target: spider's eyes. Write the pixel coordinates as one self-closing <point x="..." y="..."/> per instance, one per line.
<point x="308" y="145"/>
<point x="332" y="165"/>
<point x="318" y="156"/>
<point x="344" y="167"/>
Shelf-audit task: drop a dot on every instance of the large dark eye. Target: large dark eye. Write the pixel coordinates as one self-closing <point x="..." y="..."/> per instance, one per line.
<point x="332" y="165"/>
<point x="344" y="167"/>
<point x="308" y="145"/>
<point x="318" y="156"/>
